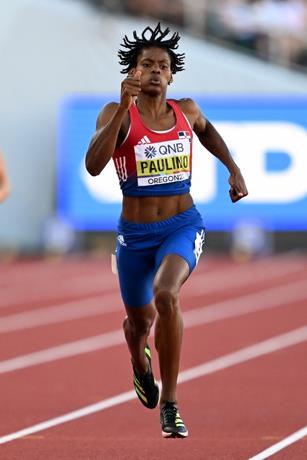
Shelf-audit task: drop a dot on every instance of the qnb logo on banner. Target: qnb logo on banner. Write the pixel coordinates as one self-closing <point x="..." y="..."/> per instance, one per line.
<point x="266" y="136"/>
<point x="251" y="144"/>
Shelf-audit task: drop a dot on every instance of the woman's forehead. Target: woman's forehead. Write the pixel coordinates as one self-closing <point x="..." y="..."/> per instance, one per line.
<point x="154" y="52"/>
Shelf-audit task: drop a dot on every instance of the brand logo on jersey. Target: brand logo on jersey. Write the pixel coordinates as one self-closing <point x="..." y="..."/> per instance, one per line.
<point x="144" y="140"/>
<point x="175" y="148"/>
<point x="121" y="168"/>
<point x="150" y="152"/>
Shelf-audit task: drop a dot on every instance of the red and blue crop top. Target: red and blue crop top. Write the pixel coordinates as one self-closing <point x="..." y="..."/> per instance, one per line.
<point x="155" y="163"/>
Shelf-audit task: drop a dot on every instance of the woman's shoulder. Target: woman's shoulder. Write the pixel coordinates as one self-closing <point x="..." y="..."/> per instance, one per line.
<point x="187" y="105"/>
<point x="190" y="109"/>
<point x="106" y="113"/>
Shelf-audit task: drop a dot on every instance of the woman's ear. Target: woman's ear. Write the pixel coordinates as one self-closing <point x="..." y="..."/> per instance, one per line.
<point x="171" y="80"/>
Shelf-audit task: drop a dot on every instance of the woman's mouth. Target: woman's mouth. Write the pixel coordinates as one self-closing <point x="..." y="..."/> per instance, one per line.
<point x="155" y="81"/>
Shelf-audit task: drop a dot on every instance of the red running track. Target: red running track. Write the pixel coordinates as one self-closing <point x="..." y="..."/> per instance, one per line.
<point x="243" y="380"/>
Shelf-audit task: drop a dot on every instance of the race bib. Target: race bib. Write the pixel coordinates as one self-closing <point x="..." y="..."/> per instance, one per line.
<point x="163" y="162"/>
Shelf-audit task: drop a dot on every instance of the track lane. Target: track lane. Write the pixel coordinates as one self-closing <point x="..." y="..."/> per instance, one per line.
<point x="91" y="442"/>
<point x="76" y="330"/>
<point x="50" y="382"/>
<point x="109" y="302"/>
<point x="43" y="291"/>
<point x="231" y="414"/>
<point x="286" y="443"/>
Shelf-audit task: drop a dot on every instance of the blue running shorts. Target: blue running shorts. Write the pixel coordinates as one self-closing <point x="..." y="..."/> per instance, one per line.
<point x="140" y="249"/>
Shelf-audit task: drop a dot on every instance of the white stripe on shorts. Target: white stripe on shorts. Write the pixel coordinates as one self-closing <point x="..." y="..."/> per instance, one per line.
<point x="198" y="244"/>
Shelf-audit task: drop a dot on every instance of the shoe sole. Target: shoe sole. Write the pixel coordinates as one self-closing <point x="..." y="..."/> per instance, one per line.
<point x="166" y="435"/>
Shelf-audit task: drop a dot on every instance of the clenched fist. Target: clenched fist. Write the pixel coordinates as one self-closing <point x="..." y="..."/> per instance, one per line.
<point x="130" y="89"/>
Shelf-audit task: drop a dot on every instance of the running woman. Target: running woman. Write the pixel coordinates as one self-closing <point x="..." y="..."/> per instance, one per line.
<point x="160" y="232"/>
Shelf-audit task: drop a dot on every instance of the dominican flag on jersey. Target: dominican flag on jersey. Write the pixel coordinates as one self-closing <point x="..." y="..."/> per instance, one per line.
<point x="184" y="135"/>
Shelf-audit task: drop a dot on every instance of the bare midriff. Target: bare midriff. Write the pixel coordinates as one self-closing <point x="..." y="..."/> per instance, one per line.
<point x="153" y="209"/>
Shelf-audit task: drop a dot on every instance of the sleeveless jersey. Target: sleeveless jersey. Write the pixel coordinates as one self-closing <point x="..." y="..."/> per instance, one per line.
<point x="155" y="163"/>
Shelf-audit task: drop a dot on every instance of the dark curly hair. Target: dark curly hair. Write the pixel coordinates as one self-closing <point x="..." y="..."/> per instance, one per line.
<point x="128" y="57"/>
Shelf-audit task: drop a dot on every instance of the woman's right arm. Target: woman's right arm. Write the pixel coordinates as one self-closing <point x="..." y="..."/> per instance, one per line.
<point x="105" y="139"/>
<point x="112" y="121"/>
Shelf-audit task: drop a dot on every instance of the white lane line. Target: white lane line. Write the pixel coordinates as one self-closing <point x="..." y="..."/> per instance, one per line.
<point x="22" y="275"/>
<point x="266" y="299"/>
<point x="200" y="284"/>
<point x="67" y="350"/>
<point x="44" y="290"/>
<point x="300" y="434"/>
<point x="78" y="285"/>
<point x="66" y="311"/>
<point x="263" y="348"/>
<point x="47" y="291"/>
<point x="93" y="307"/>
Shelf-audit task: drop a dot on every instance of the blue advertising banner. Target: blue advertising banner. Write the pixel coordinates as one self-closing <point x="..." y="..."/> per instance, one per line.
<point x="266" y="135"/>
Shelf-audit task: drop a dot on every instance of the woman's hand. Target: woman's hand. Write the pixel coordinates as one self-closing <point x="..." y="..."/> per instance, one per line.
<point x="130" y="89"/>
<point x="238" y="188"/>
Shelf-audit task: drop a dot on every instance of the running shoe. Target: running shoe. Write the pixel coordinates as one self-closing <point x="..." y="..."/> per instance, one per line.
<point x="171" y="422"/>
<point x="145" y="385"/>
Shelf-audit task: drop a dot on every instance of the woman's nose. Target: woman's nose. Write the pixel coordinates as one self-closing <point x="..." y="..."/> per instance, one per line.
<point x="156" y="69"/>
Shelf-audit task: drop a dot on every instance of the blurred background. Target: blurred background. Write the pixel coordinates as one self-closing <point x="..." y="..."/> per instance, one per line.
<point x="246" y="66"/>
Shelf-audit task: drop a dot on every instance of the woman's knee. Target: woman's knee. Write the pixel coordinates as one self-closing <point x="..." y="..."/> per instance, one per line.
<point x="166" y="301"/>
<point x="139" y="325"/>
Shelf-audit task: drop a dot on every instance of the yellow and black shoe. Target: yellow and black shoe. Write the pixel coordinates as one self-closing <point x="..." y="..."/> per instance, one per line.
<point x="171" y="422"/>
<point x="145" y="385"/>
